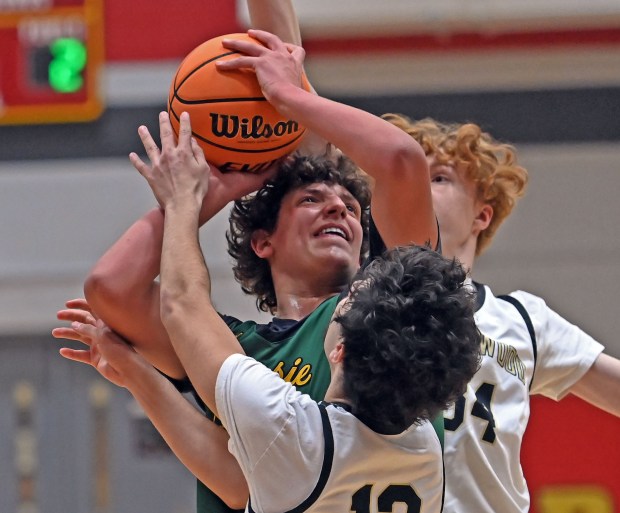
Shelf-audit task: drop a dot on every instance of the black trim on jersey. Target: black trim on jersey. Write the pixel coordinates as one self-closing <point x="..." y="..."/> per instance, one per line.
<point x="277" y="329"/>
<point x="443" y="485"/>
<point x="346" y="407"/>
<point x="528" y="322"/>
<point x="480" y="297"/>
<point x="328" y="460"/>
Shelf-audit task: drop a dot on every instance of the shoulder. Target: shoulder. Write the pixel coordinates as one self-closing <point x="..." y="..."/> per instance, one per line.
<point x="489" y="301"/>
<point x="246" y="389"/>
<point x="274" y="430"/>
<point x="534" y="304"/>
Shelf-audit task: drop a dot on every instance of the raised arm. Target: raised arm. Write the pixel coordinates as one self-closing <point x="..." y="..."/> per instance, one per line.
<point x="200" y="444"/>
<point x="600" y="386"/>
<point x="121" y="287"/>
<point x="199" y="336"/>
<point x="276" y="16"/>
<point x="393" y="159"/>
<point x="279" y="18"/>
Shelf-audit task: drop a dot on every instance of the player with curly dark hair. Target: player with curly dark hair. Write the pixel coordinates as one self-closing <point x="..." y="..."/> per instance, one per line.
<point x="260" y="211"/>
<point x="402" y="344"/>
<point x="411" y="344"/>
<point x="311" y="244"/>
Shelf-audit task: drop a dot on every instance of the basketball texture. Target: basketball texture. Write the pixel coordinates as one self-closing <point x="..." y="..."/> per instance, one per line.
<point x="235" y="125"/>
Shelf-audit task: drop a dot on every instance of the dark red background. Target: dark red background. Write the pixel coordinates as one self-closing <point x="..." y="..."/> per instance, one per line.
<point x="568" y="444"/>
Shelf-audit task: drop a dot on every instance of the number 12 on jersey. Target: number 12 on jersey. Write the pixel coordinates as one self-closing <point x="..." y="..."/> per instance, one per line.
<point x="405" y="494"/>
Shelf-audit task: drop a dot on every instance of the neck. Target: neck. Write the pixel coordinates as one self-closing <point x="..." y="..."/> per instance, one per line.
<point x="465" y="254"/>
<point x="296" y="307"/>
<point x="298" y="298"/>
<point x="335" y="390"/>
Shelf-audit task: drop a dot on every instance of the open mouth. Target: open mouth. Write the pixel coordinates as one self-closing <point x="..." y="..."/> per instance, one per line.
<point x="333" y="230"/>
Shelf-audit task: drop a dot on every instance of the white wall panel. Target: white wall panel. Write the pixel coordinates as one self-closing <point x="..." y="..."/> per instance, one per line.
<point x="563" y="241"/>
<point x="360" y="17"/>
<point x="58" y="217"/>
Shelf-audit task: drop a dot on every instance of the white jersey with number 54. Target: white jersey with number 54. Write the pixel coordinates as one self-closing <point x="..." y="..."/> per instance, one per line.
<point x="485" y="428"/>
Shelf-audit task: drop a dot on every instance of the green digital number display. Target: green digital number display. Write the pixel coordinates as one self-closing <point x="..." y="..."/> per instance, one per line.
<point x="69" y="58"/>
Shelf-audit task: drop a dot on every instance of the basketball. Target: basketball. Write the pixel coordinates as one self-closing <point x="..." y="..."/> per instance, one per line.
<point x="235" y="125"/>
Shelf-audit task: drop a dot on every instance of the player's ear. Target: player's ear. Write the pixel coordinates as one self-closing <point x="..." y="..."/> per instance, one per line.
<point x="483" y="219"/>
<point x="261" y="244"/>
<point x="337" y="354"/>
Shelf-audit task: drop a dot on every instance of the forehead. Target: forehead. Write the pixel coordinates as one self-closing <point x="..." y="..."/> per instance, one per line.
<point x="324" y="189"/>
<point x="444" y="164"/>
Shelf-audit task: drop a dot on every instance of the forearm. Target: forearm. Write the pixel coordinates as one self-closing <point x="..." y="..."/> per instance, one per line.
<point x="199" y="336"/>
<point x="600" y="386"/>
<point x="201" y="445"/>
<point x="277" y="17"/>
<point x="394" y="160"/>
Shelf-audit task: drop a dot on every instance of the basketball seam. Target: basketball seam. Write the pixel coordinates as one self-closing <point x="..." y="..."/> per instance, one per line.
<point x="199" y="67"/>
<point x="220" y="100"/>
<point x="237" y="150"/>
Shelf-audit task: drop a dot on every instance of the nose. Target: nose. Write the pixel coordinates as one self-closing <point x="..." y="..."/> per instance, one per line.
<point x="336" y="207"/>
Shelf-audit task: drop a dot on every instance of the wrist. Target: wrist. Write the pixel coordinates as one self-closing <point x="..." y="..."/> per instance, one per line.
<point x="189" y="208"/>
<point x="281" y="95"/>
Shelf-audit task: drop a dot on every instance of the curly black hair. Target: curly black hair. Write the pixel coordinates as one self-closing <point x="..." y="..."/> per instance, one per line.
<point x="260" y="212"/>
<point x="411" y="344"/>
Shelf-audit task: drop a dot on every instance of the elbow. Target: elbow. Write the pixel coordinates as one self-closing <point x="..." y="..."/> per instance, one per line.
<point x="234" y="501"/>
<point x="100" y="291"/>
<point x="407" y="160"/>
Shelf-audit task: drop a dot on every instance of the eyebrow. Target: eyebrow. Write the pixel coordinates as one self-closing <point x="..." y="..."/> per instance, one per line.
<point x="312" y="189"/>
<point x="444" y="166"/>
<point x="320" y="190"/>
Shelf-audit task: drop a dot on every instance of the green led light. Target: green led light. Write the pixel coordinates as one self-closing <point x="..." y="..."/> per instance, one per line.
<point x="68" y="61"/>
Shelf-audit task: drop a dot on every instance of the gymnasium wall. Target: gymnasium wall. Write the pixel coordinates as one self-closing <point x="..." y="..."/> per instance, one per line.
<point x="543" y="75"/>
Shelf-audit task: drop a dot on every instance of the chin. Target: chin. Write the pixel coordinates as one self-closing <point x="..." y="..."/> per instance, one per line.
<point x="345" y="269"/>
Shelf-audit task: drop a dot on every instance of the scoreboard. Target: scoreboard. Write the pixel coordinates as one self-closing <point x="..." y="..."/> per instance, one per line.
<point x="51" y="59"/>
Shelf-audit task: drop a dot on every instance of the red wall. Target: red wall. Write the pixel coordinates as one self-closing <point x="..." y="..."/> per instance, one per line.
<point x="571" y="457"/>
<point x="147" y="30"/>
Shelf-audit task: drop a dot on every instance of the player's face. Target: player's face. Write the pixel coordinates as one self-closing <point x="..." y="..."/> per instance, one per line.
<point x="457" y="209"/>
<point x="318" y="233"/>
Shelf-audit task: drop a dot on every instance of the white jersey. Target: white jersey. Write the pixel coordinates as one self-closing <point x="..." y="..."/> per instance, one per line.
<point x="299" y="455"/>
<point x="485" y="428"/>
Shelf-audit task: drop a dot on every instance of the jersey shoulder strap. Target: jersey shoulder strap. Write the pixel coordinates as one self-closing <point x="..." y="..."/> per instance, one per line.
<point x="528" y="322"/>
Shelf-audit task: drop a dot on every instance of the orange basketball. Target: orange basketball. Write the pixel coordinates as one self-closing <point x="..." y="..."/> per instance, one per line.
<point x="235" y="125"/>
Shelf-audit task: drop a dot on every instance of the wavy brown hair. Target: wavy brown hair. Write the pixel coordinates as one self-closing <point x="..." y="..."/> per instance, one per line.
<point x="490" y="164"/>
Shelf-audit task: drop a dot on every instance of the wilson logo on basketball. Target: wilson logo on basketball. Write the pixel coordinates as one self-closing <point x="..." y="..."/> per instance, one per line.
<point x="232" y="127"/>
